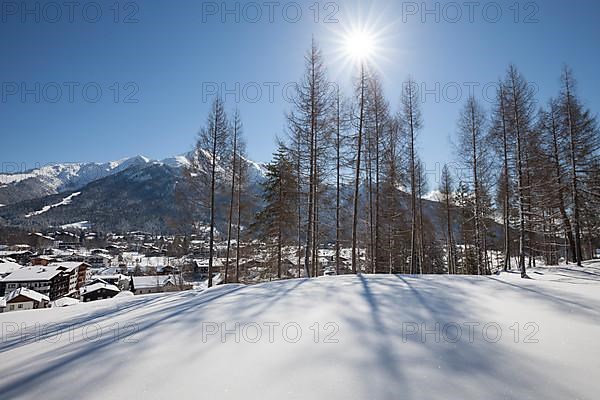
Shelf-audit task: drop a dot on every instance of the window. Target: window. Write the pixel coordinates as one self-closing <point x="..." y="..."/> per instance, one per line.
<point x="12" y="307"/>
<point x="20" y="306"/>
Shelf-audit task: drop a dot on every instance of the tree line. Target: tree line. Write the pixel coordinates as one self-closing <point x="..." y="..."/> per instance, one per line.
<point x="347" y="176"/>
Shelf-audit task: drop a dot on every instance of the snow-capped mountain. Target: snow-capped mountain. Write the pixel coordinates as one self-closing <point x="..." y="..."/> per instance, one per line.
<point x="136" y="193"/>
<point x="58" y="178"/>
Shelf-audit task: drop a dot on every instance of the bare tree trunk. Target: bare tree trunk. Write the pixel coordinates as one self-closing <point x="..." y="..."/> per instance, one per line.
<point x="517" y="121"/>
<point x="413" y="200"/>
<point x="506" y="208"/>
<point x="337" y="186"/>
<point x="531" y="246"/>
<point x="475" y="162"/>
<point x="450" y="242"/>
<point x="421" y="230"/>
<point x="377" y="172"/>
<point x="299" y="204"/>
<point x="315" y="250"/>
<point x="370" y="197"/>
<point x="311" y="199"/>
<point x="231" y="203"/>
<point x="574" y="180"/>
<point x="279" y="234"/>
<point x="357" y="172"/>
<point x="211" y="240"/>
<point x="239" y="222"/>
<point x="558" y="177"/>
<point x="390" y="247"/>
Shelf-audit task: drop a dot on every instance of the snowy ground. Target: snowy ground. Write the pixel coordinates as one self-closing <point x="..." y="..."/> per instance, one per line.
<point x="371" y="343"/>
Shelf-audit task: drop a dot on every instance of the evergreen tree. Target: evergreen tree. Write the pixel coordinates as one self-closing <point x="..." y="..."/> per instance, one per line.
<point x="275" y="223"/>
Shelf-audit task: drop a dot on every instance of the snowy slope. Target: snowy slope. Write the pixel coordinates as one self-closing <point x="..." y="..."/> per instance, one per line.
<point x="64" y="202"/>
<point x="370" y="350"/>
<point x="57" y="178"/>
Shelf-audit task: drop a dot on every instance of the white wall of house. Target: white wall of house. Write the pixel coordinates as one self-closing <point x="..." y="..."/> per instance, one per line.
<point x="25" y="305"/>
<point x="148" y="290"/>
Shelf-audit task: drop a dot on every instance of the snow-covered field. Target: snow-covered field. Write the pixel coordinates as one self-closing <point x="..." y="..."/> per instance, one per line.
<point x="349" y="337"/>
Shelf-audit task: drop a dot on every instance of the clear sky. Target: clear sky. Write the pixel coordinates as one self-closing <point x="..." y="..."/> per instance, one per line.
<point x="156" y="64"/>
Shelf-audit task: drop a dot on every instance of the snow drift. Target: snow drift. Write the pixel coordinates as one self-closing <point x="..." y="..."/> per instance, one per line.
<point x="347" y="337"/>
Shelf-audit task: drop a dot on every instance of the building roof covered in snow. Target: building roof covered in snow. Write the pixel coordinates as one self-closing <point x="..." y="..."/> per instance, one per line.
<point x="8" y="267"/>
<point x="8" y="253"/>
<point x="112" y="277"/>
<point x="68" y="265"/>
<point x="36" y="273"/>
<point x="97" y="286"/>
<point x="30" y="294"/>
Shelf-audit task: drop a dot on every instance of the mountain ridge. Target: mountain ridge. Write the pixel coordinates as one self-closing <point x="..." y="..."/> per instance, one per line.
<point x="58" y="178"/>
<point x="133" y="193"/>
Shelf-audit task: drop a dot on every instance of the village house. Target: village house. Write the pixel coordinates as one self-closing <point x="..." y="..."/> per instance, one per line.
<point x="166" y="270"/>
<point x="24" y="299"/>
<point x="6" y="268"/>
<point x="114" y="250"/>
<point x="49" y="281"/>
<point x="153" y="284"/>
<point x="99" y="260"/>
<point x="41" y="260"/>
<point x="70" y="255"/>
<point x="67" y="240"/>
<point x="201" y="266"/>
<point x="20" y="256"/>
<point x="98" y="290"/>
<point x="77" y="271"/>
<point x="119" y="280"/>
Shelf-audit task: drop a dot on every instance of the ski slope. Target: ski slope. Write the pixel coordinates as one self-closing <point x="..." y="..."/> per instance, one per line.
<point x="64" y="202"/>
<point x="377" y="339"/>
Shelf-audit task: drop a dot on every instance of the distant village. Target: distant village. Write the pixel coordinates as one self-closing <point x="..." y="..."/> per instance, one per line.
<point x="64" y="268"/>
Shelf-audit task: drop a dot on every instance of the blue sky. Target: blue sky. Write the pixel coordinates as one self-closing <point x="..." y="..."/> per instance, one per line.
<point x="156" y="63"/>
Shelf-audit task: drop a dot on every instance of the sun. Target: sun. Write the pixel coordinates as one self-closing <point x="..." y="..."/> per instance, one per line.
<point x="359" y="45"/>
<point x="365" y="40"/>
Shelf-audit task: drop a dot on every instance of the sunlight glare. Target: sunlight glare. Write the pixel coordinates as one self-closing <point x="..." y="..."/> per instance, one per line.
<point x="359" y="45"/>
